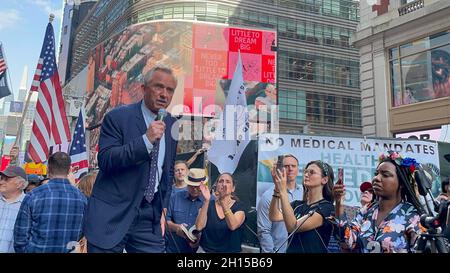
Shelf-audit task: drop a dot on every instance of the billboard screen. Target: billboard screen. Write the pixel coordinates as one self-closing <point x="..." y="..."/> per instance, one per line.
<point x="203" y="57"/>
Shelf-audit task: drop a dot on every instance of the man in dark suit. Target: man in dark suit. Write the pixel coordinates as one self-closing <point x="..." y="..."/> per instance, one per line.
<point x="136" y="158"/>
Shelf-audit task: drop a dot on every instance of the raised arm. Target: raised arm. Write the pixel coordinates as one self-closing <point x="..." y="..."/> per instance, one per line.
<point x="339" y="194"/>
<point x="280" y="195"/>
<point x="202" y="217"/>
<point x="194" y="157"/>
<point x="275" y="203"/>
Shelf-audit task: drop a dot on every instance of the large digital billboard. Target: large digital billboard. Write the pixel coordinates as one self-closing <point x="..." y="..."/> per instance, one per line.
<point x="203" y="57"/>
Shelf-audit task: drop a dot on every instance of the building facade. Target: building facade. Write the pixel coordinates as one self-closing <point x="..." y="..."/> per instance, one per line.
<point x="73" y="14"/>
<point x="318" y="68"/>
<point x="405" y="67"/>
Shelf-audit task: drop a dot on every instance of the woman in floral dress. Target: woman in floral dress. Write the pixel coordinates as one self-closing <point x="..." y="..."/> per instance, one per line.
<point x="391" y="224"/>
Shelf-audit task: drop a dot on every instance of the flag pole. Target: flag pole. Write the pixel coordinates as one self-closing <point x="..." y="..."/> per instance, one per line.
<point x="14" y="153"/>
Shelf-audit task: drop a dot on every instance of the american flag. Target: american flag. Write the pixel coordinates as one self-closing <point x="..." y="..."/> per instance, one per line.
<point x="4" y="89"/>
<point x="2" y="62"/>
<point x="50" y="124"/>
<point x="78" y="153"/>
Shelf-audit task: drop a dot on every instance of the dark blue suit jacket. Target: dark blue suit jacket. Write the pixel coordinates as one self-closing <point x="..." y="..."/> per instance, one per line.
<point x="124" y="173"/>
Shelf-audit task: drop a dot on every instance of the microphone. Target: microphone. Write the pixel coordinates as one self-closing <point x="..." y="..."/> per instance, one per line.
<point x="424" y="180"/>
<point x="429" y="221"/>
<point x="308" y="215"/>
<point x="162" y="113"/>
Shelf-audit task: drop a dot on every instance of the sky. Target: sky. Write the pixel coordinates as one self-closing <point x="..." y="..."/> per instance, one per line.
<point x="22" y="28"/>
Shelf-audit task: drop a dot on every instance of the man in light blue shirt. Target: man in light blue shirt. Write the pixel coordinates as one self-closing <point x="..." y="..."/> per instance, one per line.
<point x="273" y="235"/>
<point x="12" y="183"/>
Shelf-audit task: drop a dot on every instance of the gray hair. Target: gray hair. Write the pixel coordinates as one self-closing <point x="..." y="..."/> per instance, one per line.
<point x="25" y="182"/>
<point x="149" y="75"/>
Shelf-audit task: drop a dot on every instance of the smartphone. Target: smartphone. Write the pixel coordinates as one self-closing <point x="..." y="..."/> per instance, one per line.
<point x="280" y="163"/>
<point x="340" y="176"/>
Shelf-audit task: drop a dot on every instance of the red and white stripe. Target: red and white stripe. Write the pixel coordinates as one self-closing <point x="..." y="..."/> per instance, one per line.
<point x="80" y="164"/>
<point x="50" y="124"/>
<point x="2" y="66"/>
<point x="37" y="76"/>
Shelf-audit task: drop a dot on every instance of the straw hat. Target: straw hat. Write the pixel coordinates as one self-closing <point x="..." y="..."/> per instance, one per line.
<point x="195" y="177"/>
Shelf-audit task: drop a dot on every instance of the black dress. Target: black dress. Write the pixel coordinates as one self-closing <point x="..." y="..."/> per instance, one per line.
<point x="316" y="240"/>
<point x="216" y="236"/>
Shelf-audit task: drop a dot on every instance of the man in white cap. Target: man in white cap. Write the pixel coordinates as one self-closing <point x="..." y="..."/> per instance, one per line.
<point x="183" y="210"/>
<point x="13" y="181"/>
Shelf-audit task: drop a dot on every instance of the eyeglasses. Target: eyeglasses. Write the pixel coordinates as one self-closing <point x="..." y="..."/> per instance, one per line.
<point x="310" y="172"/>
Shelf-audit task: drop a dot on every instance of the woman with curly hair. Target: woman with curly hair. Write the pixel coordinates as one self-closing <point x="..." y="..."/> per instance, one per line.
<point x="391" y="224"/>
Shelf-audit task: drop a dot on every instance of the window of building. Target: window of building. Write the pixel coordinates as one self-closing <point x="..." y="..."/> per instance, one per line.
<point x="420" y="70"/>
<point x="317" y="68"/>
<point x="334" y="110"/>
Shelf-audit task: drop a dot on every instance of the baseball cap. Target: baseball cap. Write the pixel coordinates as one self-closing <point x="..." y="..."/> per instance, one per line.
<point x="14" y="171"/>
<point x="34" y="178"/>
<point x="365" y="186"/>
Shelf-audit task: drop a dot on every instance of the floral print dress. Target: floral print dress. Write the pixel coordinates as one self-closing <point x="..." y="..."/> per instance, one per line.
<point x="363" y="234"/>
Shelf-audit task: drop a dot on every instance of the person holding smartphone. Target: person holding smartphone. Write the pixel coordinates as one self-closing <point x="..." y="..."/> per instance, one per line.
<point x="306" y="219"/>
<point x="272" y="235"/>
<point x="366" y="200"/>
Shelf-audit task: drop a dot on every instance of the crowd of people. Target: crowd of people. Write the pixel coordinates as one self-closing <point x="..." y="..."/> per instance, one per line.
<point x="142" y="200"/>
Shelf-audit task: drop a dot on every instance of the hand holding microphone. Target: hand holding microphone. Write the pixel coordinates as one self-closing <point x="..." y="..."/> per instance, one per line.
<point x="156" y="129"/>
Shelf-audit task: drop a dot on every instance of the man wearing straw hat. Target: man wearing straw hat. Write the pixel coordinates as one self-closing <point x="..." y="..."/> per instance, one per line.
<point x="183" y="210"/>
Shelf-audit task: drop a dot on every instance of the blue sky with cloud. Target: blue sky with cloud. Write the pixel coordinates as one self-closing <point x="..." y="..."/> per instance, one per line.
<point x="22" y="28"/>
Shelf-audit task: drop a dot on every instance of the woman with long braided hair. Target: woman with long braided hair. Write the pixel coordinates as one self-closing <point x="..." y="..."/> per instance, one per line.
<point x="391" y="224"/>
